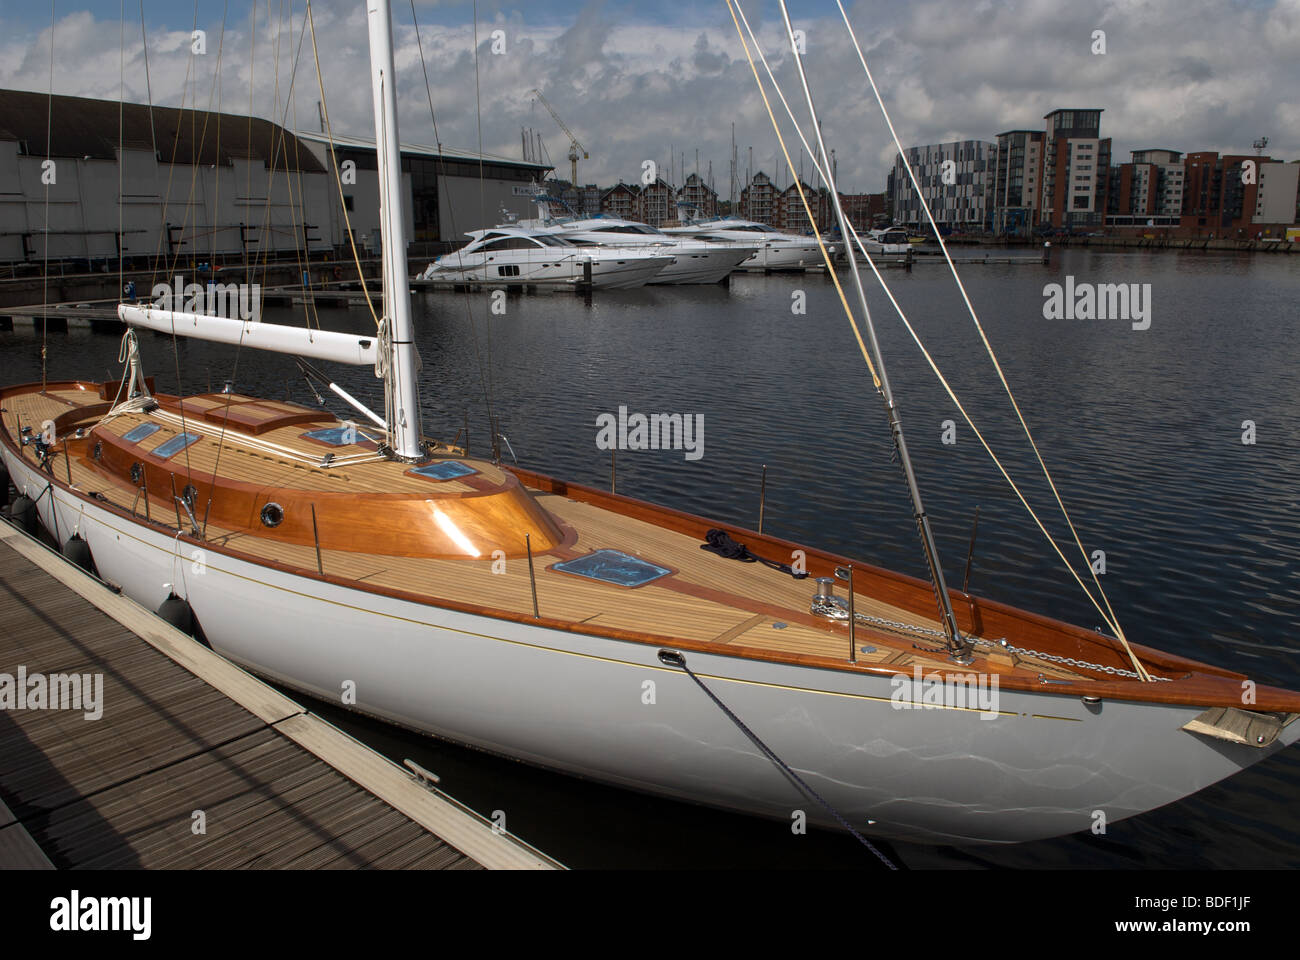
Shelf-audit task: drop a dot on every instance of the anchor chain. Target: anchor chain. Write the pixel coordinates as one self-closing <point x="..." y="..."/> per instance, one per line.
<point x="835" y="611"/>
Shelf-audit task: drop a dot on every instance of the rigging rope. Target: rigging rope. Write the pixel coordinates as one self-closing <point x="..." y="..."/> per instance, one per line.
<point x="485" y="377"/>
<point x="821" y="245"/>
<point x="1112" y="620"/>
<point x="676" y="659"/>
<point x="45" y="252"/>
<point x="1109" y="619"/>
<point x="334" y="165"/>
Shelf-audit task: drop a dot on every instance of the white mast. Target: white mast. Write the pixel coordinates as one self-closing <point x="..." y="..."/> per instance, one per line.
<point x="400" y="382"/>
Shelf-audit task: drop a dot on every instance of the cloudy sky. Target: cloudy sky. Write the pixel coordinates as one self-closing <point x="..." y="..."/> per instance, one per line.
<point x="635" y="79"/>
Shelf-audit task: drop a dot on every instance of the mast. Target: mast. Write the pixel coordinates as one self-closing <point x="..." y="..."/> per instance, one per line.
<point x="958" y="646"/>
<point x="400" y="380"/>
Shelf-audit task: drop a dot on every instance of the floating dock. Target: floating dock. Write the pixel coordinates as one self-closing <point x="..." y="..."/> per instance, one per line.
<point x="193" y="763"/>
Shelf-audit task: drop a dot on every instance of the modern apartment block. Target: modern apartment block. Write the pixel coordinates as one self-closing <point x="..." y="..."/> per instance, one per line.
<point x="1016" y="181"/>
<point x="1170" y="174"/>
<point x="1076" y="163"/>
<point x="1217" y="196"/>
<point x="1146" y="191"/>
<point x="956" y="180"/>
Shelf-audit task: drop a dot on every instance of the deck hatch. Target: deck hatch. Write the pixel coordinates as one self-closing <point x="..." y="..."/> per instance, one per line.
<point x="141" y="432"/>
<point x="614" y="566"/>
<point x="175" y="445"/>
<point x="444" y="470"/>
<point x="334" y="436"/>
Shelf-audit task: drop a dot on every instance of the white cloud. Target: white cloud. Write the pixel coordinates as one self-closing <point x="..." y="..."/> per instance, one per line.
<point x="1185" y="74"/>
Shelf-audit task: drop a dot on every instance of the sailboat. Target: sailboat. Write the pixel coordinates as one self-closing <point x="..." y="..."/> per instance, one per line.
<point x="587" y="632"/>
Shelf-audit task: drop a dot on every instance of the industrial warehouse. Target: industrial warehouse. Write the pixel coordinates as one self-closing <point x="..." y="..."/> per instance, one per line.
<point x="219" y="186"/>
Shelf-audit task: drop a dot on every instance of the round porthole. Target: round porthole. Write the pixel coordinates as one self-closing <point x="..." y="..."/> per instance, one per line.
<point x="99" y="450"/>
<point x="272" y="515"/>
<point x="137" y="473"/>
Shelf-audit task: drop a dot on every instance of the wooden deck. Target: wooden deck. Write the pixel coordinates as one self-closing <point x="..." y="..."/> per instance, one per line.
<point x="277" y="786"/>
<point x="342" y="514"/>
<point x="706" y="598"/>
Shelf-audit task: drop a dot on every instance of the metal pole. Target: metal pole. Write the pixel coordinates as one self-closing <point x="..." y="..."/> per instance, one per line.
<point x="315" y="534"/>
<point x="970" y="552"/>
<point x="532" y="577"/>
<point x="176" y="502"/>
<point x="762" y="498"/>
<point x="401" y="380"/>
<point x="853" y="620"/>
<point x="958" y="647"/>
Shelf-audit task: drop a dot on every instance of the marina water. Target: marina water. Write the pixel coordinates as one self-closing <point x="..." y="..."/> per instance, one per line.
<point x="1174" y="442"/>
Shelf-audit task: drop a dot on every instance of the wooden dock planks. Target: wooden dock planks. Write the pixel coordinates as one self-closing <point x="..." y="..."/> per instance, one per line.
<point x="277" y="786"/>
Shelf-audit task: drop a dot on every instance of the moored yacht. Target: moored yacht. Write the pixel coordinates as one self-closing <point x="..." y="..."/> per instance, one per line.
<point x="776" y="250"/>
<point x="518" y="256"/>
<point x="694" y="261"/>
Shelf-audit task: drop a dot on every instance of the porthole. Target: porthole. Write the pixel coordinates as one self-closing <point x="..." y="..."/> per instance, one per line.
<point x="99" y="450"/>
<point x="272" y="515"/>
<point x="137" y="472"/>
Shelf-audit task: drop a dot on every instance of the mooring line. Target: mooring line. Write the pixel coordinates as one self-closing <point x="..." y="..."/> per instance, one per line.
<point x="672" y="658"/>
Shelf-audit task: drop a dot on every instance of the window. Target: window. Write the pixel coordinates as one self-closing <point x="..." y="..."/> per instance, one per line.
<point x="512" y="243"/>
<point x="347" y="202"/>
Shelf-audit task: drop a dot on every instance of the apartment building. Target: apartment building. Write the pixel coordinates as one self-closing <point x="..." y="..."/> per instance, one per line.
<point x="1076" y="165"/>
<point x="956" y="181"/>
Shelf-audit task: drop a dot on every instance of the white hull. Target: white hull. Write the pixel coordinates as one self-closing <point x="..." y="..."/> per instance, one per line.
<point x="781" y="258"/>
<point x="566" y="272"/>
<point x="706" y="266"/>
<point x="574" y="703"/>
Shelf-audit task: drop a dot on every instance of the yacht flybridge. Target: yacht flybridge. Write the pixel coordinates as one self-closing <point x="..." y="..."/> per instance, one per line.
<point x="525" y="615"/>
<point x="518" y="256"/>
<point x="777" y="251"/>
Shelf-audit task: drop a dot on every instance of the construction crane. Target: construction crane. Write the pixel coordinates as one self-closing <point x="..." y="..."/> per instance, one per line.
<point x="574" y="145"/>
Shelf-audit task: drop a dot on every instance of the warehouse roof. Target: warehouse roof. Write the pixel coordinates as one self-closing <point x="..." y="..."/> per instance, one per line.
<point x="84" y="128"/>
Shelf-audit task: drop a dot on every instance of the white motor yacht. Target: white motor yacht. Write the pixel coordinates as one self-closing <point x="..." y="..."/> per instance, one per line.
<point x="888" y="242"/>
<point x="694" y="261"/>
<point x="776" y="250"/>
<point x="517" y="256"/>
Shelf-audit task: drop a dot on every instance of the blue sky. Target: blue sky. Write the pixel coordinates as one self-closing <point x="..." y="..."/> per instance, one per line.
<point x="636" y="77"/>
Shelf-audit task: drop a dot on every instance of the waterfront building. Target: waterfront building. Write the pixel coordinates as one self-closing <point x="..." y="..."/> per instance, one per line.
<point x="1017" y="176"/>
<point x="654" y="204"/>
<point x="758" y="199"/>
<point x="956" y="179"/>
<point x="697" y="195"/>
<point x="1076" y="170"/>
<point x="619" y="201"/>
<point x="203" y="185"/>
